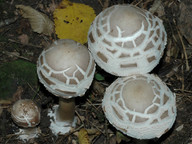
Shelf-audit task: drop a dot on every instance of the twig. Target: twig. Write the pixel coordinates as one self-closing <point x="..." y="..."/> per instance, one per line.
<point x="14" y="41"/>
<point x="106" y="131"/>
<point x="95" y="104"/>
<point x="184" y="51"/>
<point x="36" y="92"/>
<point x="78" y="115"/>
<point x="13" y="54"/>
<point x="182" y="79"/>
<point x="186" y="91"/>
<point x="91" y="104"/>
<point x="100" y="3"/>
<point x="97" y="127"/>
<point x="9" y="136"/>
<point x="8" y="21"/>
<point x="137" y="3"/>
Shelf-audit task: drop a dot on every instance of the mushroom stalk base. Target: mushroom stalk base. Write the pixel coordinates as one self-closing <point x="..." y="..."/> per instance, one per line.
<point x="58" y="126"/>
<point x="26" y="134"/>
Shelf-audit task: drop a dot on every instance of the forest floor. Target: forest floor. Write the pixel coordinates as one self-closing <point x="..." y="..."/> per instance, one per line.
<point x="20" y="48"/>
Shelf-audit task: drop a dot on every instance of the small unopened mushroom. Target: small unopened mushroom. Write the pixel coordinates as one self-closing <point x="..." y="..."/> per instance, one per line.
<point x="66" y="69"/>
<point x="26" y="114"/>
<point x="140" y="106"/>
<point x="125" y="39"/>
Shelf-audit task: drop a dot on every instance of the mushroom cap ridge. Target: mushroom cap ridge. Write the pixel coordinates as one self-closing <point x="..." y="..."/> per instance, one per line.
<point x="125" y="39"/>
<point x="66" y="68"/>
<point x="142" y="116"/>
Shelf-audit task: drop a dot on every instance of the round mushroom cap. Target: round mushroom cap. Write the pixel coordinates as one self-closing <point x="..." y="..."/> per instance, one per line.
<point x="25" y="113"/>
<point x="66" y="68"/>
<point x="125" y="39"/>
<point x="141" y="106"/>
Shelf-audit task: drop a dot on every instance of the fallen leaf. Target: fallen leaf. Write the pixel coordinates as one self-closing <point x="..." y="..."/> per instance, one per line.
<point x="83" y="136"/>
<point x="24" y="39"/>
<point x="179" y="128"/>
<point x="72" y="21"/>
<point x="40" y="22"/>
<point x="99" y="77"/>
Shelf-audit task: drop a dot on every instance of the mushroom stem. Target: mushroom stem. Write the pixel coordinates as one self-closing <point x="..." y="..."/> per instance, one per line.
<point x="66" y="109"/>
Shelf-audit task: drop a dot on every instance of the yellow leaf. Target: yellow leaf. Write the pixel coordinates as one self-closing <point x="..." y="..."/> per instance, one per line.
<point x="83" y="136"/>
<point x="72" y="21"/>
<point x="40" y="22"/>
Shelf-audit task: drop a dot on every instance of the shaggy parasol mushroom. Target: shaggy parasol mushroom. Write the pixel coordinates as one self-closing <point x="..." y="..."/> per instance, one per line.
<point x="140" y="106"/>
<point x="125" y="39"/>
<point x="26" y="114"/>
<point x="66" y="69"/>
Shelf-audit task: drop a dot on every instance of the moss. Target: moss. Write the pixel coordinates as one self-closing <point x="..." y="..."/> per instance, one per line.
<point x="14" y="74"/>
<point x="3" y="38"/>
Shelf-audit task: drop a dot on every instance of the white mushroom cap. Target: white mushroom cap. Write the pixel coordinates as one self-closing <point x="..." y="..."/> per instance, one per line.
<point x="141" y="106"/>
<point x="66" y="68"/>
<point x="25" y="113"/>
<point x="125" y="39"/>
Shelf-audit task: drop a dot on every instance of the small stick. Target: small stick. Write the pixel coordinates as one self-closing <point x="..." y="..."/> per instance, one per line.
<point x="187" y="91"/>
<point x="100" y="3"/>
<point x="92" y="104"/>
<point x="96" y="127"/>
<point x="137" y="3"/>
<point x="7" y="21"/>
<point x="184" y="50"/>
<point x="106" y="131"/>
<point x="78" y="115"/>
<point x="14" y="41"/>
<point x="36" y="92"/>
<point x="13" y="54"/>
<point x="182" y="79"/>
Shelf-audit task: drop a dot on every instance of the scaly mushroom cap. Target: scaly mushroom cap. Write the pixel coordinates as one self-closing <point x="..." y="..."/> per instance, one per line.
<point x="66" y="68"/>
<point x="141" y="106"/>
<point x="25" y="113"/>
<point x="125" y="39"/>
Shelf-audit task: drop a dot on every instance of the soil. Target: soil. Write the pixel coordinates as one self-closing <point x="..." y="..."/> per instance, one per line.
<point x="175" y="69"/>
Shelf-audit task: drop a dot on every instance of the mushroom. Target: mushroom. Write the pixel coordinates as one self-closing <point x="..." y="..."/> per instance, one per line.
<point x="140" y="106"/>
<point x="26" y="114"/>
<point x="66" y="69"/>
<point x="125" y="39"/>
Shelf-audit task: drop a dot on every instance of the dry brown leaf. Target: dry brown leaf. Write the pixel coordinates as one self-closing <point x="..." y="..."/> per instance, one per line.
<point x="24" y="39"/>
<point x="40" y="22"/>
